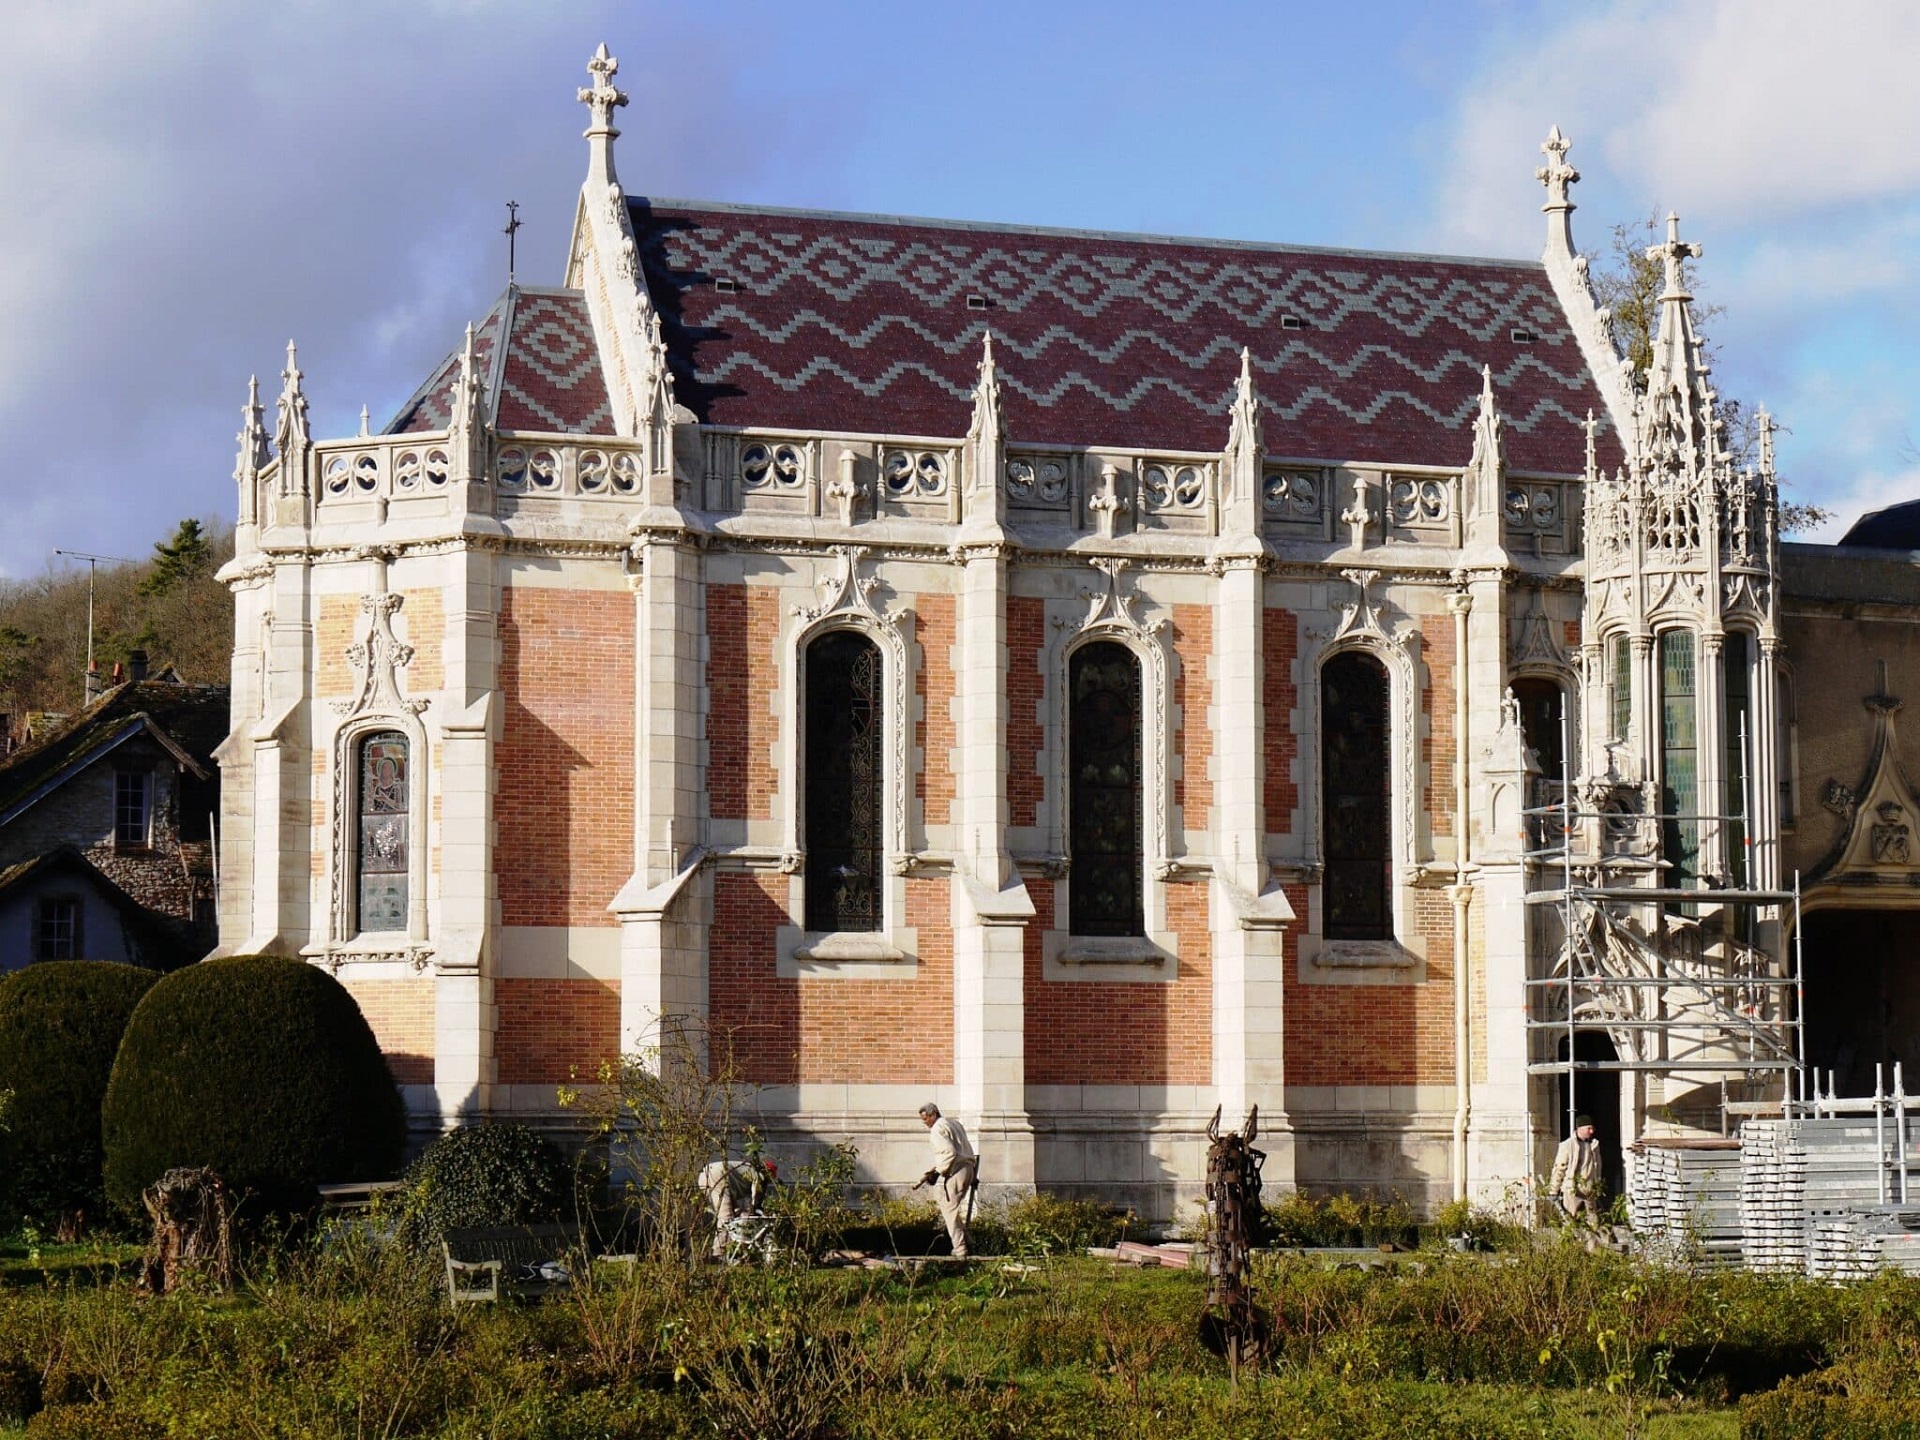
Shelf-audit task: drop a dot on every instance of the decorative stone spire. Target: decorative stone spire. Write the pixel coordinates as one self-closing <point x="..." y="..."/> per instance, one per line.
<point x="466" y="427"/>
<point x="290" y="434"/>
<point x="1679" y="404"/>
<point x="1246" y="450"/>
<point x="1567" y="271"/>
<point x="601" y="100"/>
<point x="984" y="499"/>
<point x="1559" y="177"/>
<point x="253" y="456"/>
<point x="1484" y="484"/>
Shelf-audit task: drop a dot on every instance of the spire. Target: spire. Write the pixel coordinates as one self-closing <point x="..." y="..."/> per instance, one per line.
<point x="466" y="425"/>
<point x="1244" y="428"/>
<point x="601" y="100"/>
<point x="1559" y="177"/>
<point x="254" y="455"/>
<point x="984" y="499"/>
<point x="1485" y="480"/>
<point x="1241" y="476"/>
<point x="1765" y="422"/>
<point x="1679" y="404"/>
<point x="290" y="435"/>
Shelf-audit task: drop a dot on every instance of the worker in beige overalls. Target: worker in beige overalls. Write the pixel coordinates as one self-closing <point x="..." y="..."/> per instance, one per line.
<point x="1579" y="1173"/>
<point x="954" y="1174"/>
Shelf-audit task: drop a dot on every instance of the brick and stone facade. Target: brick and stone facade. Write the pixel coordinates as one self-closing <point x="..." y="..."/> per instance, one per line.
<point x="579" y="574"/>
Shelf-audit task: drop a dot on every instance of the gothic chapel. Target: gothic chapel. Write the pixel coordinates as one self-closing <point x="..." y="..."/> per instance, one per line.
<point x="1083" y="679"/>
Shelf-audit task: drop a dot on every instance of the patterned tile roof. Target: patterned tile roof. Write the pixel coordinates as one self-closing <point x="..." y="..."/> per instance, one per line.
<point x="873" y="324"/>
<point x="548" y="379"/>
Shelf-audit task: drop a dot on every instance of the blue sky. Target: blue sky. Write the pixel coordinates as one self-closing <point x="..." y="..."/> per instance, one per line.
<point x="191" y="183"/>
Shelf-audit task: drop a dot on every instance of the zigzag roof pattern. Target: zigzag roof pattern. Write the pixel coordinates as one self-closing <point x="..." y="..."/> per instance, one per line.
<point x="873" y="324"/>
<point x="546" y="378"/>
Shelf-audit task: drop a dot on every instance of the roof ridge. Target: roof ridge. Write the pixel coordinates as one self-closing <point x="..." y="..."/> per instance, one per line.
<point x="732" y="207"/>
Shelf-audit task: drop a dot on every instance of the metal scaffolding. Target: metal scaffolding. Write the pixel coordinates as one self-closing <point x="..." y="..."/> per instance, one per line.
<point x="1670" y="973"/>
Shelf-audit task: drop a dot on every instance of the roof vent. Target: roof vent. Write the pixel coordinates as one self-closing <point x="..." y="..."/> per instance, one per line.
<point x="976" y="302"/>
<point x="1522" y="337"/>
<point x="725" y="285"/>
<point x="1292" y="322"/>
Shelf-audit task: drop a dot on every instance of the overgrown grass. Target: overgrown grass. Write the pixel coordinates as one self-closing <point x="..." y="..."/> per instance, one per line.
<point x="341" y="1338"/>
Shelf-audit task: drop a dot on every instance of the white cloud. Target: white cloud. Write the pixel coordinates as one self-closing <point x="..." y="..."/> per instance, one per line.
<point x="189" y="182"/>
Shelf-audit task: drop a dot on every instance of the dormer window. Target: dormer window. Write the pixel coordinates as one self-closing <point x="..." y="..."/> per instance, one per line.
<point x="133" y="810"/>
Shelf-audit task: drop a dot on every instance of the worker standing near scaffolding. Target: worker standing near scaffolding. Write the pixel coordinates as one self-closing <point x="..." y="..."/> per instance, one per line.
<point x="954" y="1176"/>
<point x="1579" y="1173"/>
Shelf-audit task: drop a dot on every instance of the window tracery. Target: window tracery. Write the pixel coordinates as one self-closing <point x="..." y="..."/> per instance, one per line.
<point x="382" y="817"/>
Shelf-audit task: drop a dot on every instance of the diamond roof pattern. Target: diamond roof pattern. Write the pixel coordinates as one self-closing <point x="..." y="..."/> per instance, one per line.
<point x="549" y="380"/>
<point x="874" y="325"/>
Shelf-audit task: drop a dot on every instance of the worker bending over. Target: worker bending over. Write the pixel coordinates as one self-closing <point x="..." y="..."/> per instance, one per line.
<point x="954" y="1175"/>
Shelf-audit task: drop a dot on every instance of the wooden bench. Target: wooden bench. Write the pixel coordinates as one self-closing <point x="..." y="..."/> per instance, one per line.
<point x="485" y="1263"/>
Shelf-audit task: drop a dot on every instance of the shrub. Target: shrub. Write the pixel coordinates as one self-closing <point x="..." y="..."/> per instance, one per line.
<point x="1043" y="1224"/>
<point x="483" y="1175"/>
<point x="1802" y="1408"/>
<point x="1299" y="1220"/>
<point x="262" y="1069"/>
<point x="60" y="1025"/>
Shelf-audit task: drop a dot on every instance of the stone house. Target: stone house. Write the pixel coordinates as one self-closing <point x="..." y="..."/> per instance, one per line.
<point x="106" y="829"/>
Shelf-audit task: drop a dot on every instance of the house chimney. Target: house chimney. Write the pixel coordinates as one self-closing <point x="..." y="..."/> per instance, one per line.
<point x="137" y="665"/>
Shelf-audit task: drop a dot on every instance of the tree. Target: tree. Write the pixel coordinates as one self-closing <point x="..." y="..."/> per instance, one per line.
<point x="1628" y="282"/>
<point x="187" y="557"/>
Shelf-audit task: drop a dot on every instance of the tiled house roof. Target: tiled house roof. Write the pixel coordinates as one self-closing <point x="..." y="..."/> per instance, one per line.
<point x="190" y="720"/>
<point x="873" y="325"/>
<point x="548" y="377"/>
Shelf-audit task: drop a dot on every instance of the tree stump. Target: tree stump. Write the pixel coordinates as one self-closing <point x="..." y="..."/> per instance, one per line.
<point x="192" y="1230"/>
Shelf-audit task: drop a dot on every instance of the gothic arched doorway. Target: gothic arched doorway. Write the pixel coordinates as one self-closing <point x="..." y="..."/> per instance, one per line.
<point x="1862" y="973"/>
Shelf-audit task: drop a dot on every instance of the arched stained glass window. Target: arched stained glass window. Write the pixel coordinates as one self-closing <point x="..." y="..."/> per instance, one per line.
<point x="1104" y="799"/>
<point x="381" y="826"/>
<point x="1355" y="764"/>
<point x="845" y="783"/>
<point x="1541" y="703"/>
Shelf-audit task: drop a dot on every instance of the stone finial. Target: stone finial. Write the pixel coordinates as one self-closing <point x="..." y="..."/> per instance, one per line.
<point x="1357" y="516"/>
<point x="366" y="423"/>
<point x="290" y="421"/>
<point x="1765" y="421"/>
<point x="1244" y="430"/>
<point x="988" y="419"/>
<point x="254" y="455"/>
<point x="1671" y="252"/>
<point x="1559" y="177"/>
<point x="1485" y="478"/>
<point x="467" y="414"/>
<point x="1107" y="503"/>
<point x="601" y="99"/>
<point x="1593" y="434"/>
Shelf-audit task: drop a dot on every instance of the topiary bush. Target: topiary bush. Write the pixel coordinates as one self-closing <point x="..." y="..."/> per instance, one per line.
<point x="483" y="1175"/>
<point x="60" y="1027"/>
<point x="262" y="1069"/>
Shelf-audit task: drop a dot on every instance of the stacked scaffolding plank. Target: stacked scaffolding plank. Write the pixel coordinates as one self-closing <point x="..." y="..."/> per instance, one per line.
<point x="1685" y="1200"/>
<point x="1804" y="1182"/>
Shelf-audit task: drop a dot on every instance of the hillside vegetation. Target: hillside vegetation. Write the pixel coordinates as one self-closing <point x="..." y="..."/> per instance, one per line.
<point x="168" y="605"/>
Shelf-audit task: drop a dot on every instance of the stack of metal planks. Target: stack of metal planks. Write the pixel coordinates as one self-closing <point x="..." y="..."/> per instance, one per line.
<point x="1685" y="1200"/>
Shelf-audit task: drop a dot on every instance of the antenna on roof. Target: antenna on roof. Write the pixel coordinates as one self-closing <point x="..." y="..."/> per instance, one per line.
<point x="92" y="561"/>
<point x="512" y="233"/>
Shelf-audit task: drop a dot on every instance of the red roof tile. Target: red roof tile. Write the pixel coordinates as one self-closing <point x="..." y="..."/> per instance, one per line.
<point x="873" y="324"/>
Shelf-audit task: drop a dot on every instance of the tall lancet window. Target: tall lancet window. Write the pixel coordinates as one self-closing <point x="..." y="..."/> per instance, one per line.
<point x="1679" y="757"/>
<point x="1355" y="763"/>
<point x="1737" y="769"/>
<point x="1104" y="799"/>
<point x="845" y="783"/>
<point x="384" y="813"/>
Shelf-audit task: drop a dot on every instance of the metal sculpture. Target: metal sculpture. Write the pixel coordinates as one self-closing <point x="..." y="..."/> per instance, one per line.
<point x="1232" y="1326"/>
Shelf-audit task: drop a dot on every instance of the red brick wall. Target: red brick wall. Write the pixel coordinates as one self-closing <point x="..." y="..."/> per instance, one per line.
<point x="553" y="1031"/>
<point x="1097" y="1032"/>
<point x="935" y="734"/>
<point x="424" y="621"/>
<point x="788" y="1031"/>
<point x="743" y="626"/>
<point x="1374" y="1034"/>
<point x="1192" y="694"/>
<point x="400" y="1014"/>
<point x="566" y="755"/>
<point x="1026" y="690"/>
<point x="1436" y="704"/>
<point x="1280" y="641"/>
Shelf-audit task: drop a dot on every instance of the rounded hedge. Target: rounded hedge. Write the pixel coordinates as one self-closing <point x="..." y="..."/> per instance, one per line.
<point x="484" y="1175"/>
<point x="261" y="1068"/>
<point x="60" y="1026"/>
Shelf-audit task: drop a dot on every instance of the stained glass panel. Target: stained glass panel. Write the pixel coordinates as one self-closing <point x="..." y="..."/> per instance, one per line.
<point x="845" y="784"/>
<point x="1679" y="757"/>
<point x="1103" y="745"/>
<point x="1354" y="783"/>
<point x="383" y="820"/>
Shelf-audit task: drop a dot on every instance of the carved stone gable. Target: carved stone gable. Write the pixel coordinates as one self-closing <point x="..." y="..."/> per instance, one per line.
<point x="1876" y="844"/>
